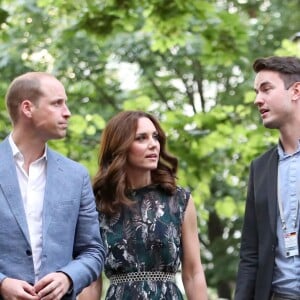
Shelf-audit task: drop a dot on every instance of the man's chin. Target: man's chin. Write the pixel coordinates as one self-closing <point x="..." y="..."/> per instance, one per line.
<point x="270" y="125"/>
<point x="59" y="136"/>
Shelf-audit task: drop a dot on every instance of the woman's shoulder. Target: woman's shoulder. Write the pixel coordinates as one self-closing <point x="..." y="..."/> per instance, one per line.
<point x="183" y="192"/>
<point x="179" y="201"/>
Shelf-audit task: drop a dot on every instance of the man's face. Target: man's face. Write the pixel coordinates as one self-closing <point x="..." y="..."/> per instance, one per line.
<point x="272" y="99"/>
<point x="50" y="115"/>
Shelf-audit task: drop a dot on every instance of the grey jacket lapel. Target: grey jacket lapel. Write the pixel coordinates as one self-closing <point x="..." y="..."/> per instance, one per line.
<point x="10" y="186"/>
<point x="54" y="188"/>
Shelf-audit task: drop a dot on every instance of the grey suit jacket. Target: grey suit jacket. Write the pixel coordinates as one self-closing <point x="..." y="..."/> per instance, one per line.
<point x="258" y="243"/>
<point x="71" y="237"/>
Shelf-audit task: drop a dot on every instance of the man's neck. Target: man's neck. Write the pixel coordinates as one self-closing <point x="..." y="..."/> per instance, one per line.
<point x="30" y="148"/>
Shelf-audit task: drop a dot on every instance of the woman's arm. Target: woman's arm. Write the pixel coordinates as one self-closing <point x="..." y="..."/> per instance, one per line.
<point x="92" y="292"/>
<point x="192" y="272"/>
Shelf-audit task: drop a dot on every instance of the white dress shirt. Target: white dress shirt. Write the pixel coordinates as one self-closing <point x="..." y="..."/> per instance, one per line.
<point x="32" y="187"/>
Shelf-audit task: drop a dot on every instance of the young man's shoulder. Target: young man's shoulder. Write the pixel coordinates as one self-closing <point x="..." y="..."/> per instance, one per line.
<point x="266" y="155"/>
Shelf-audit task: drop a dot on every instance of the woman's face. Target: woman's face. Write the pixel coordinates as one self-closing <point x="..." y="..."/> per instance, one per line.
<point x="143" y="154"/>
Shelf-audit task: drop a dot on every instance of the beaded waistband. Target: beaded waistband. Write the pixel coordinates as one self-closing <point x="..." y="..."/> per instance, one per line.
<point x="141" y="276"/>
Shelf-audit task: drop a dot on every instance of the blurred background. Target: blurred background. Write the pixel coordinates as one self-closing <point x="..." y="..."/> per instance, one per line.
<point x="189" y="62"/>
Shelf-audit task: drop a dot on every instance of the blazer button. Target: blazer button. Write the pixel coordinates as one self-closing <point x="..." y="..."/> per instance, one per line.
<point x="28" y="252"/>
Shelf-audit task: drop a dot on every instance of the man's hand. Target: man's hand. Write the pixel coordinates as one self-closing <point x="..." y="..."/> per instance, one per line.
<point x="53" y="286"/>
<point x="15" y="289"/>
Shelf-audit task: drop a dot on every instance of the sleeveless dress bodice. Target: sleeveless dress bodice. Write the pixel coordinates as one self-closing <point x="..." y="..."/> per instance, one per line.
<point x="145" y="238"/>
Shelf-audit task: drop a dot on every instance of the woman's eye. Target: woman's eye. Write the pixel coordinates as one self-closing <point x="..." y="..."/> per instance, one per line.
<point x="140" y="138"/>
<point x="156" y="136"/>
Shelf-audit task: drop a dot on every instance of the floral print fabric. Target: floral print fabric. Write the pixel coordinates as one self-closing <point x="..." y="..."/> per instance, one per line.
<point x="146" y="237"/>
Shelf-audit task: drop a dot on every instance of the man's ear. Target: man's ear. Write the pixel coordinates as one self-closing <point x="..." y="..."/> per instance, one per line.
<point x="296" y="91"/>
<point x="26" y="108"/>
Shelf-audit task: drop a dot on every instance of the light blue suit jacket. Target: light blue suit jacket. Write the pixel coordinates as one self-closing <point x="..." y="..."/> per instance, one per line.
<point x="71" y="237"/>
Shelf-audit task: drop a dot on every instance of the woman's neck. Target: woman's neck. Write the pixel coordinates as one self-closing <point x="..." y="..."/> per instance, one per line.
<point x="136" y="181"/>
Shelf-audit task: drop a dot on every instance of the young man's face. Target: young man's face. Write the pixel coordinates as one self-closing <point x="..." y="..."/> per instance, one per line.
<point x="273" y="100"/>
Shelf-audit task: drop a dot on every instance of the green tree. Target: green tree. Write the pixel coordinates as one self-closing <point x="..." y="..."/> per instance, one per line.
<point x="188" y="62"/>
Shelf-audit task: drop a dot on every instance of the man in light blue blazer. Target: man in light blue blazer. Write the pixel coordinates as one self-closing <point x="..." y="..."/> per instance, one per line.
<point x="50" y="245"/>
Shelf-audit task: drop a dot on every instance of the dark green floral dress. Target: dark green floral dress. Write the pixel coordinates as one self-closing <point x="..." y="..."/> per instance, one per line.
<point x="146" y="238"/>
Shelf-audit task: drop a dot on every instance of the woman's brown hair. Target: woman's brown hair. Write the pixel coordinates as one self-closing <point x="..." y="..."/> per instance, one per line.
<point x="110" y="182"/>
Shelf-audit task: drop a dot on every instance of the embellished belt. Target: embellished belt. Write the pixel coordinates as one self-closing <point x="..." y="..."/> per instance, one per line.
<point x="141" y="276"/>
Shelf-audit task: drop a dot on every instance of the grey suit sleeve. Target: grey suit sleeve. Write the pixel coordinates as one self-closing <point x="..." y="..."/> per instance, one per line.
<point x="88" y="250"/>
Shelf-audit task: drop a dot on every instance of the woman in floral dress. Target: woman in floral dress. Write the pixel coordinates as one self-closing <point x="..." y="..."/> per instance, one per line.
<point x="148" y="223"/>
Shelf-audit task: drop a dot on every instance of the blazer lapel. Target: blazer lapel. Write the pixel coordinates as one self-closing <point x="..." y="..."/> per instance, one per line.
<point x="54" y="188"/>
<point x="10" y="187"/>
<point x="272" y="167"/>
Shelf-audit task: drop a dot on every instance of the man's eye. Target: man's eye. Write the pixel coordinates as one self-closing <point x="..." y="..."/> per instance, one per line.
<point x="266" y="89"/>
<point x="58" y="103"/>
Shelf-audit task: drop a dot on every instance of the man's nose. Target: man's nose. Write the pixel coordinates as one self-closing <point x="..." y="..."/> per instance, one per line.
<point x="258" y="99"/>
<point x="66" y="111"/>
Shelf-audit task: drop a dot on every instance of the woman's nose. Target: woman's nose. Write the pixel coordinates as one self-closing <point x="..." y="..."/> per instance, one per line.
<point x="153" y="142"/>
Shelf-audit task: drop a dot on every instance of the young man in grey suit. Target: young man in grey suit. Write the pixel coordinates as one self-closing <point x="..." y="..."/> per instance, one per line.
<point x="270" y="262"/>
<point x="50" y="245"/>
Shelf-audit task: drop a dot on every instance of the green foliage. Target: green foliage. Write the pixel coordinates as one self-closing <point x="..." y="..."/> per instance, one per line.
<point x="186" y="61"/>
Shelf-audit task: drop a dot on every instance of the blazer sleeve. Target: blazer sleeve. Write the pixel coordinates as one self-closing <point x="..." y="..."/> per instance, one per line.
<point x="88" y="253"/>
<point x="246" y="276"/>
